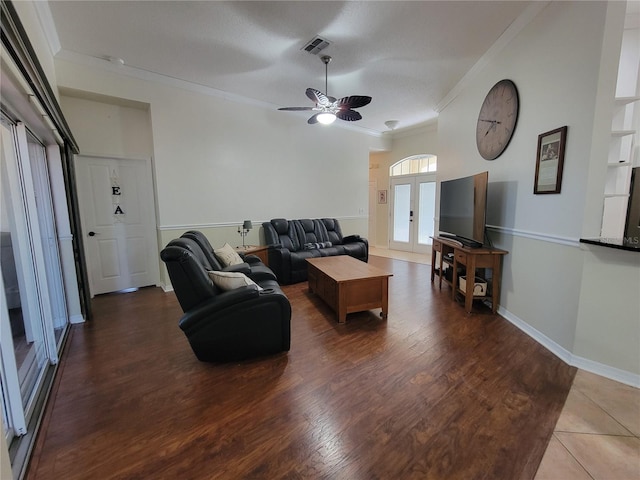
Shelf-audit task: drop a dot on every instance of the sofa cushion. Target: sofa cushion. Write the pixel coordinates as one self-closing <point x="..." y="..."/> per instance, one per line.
<point x="307" y="232"/>
<point x="231" y="280"/>
<point x="228" y="255"/>
<point x="332" y="230"/>
<point x="332" y="251"/>
<point x="285" y="234"/>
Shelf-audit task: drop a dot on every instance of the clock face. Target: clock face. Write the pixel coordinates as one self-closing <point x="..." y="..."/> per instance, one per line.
<point x="497" y="119"/>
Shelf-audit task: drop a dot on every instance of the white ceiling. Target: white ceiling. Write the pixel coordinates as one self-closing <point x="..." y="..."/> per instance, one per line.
<point x="406" y="55"/>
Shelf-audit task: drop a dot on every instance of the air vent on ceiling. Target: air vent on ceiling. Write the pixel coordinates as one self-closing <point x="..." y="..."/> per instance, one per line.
<point x="316" y="45"/>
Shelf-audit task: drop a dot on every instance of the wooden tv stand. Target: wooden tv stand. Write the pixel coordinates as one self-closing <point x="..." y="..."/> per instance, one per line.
<point x="454" y="255"/>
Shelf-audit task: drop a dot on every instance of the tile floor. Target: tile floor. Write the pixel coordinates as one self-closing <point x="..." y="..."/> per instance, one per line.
<point x="400" y="255"/>
<point x="597" y="436"/>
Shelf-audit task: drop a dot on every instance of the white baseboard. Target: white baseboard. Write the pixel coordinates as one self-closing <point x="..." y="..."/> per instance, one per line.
<point x="612" y="373"/>
<point x="616" y="374"/>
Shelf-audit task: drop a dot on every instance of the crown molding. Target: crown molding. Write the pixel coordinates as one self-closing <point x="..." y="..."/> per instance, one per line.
<point x="428" y="126"/>
<point x="507" y="36"/>
<point x="153" y="77"/>
<point x="48" y="26"/>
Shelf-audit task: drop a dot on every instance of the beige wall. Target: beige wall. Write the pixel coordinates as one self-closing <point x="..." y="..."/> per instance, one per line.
<point x="108" y="127"/>
<point x="608" y="327"/>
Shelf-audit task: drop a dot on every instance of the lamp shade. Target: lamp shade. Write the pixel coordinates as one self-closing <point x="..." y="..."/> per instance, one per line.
<point x="247" y="225"/>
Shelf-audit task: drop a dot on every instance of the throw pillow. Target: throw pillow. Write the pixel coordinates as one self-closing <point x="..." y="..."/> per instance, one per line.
<point x="228" y="255"/>
<point x="231" y="280"/>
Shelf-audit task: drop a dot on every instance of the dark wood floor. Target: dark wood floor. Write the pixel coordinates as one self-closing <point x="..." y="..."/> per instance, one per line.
<point x="430" y="393"/>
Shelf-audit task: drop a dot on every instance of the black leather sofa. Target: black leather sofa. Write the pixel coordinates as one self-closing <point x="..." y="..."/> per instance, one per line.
<point x="230" y="325"/>
<point x="291" y="242"/>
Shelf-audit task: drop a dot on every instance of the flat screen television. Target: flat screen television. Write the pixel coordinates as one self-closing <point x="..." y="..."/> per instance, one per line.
<point x="463" y="205"/>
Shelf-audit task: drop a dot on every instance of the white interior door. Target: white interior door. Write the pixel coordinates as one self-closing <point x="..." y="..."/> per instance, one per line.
<point x="412" y="212"/>
<point x="118" y="222"/>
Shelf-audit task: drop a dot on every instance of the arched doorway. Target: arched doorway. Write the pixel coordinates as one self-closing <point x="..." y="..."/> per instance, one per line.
<point x="412" y="203"/>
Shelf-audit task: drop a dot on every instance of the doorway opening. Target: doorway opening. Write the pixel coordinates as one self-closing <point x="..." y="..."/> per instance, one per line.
<point x="412" y="203"/>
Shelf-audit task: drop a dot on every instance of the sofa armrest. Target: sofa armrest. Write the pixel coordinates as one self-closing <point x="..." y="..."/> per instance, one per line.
<point x="280" y="263"/>
<point x="245" y="306"/>
<point x="253" y="327"/>
<point x="352" y="238"/>
<point x="217" y="303"/>
<point x="241" y="267"/>
<point x="250" y="258"/>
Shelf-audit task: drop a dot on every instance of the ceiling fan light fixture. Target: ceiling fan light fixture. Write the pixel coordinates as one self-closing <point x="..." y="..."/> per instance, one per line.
<point x="326" y="118"/>
<point x="329" y="108"/>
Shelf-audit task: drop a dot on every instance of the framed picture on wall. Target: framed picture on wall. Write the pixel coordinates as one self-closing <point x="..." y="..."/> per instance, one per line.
<point x="382" y="196"/>
<point x="549" y="161"/>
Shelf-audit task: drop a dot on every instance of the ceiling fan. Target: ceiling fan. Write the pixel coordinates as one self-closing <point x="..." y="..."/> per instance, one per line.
<point x="330" y="108"/>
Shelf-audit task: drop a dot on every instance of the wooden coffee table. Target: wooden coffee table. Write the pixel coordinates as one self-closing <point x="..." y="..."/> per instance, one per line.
<point x="349" y="285"/>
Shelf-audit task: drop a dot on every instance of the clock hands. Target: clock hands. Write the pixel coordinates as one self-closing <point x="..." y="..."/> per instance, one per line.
<point x="493" y="123"/>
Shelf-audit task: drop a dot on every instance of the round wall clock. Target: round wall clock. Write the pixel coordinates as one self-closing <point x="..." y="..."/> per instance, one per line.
<point x="497" y="119"/>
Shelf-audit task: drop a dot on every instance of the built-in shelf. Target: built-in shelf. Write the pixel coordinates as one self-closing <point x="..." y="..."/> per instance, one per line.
<point x="613" y="195"/>
<point x="622" y="133"/>
<point x="626" y="100"/>
<point x="622" y="154"/>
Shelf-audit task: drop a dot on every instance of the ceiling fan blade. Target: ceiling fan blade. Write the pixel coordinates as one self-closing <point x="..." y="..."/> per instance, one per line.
<point x="318" y="97"/>
<point x="295" y="109"/>
<point x="348" y="115"/>
<point x="313" y="119"/>
<point x="354" y="101"/>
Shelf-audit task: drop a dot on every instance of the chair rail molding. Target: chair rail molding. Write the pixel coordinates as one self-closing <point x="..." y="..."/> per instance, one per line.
<point x="544" y="237"/>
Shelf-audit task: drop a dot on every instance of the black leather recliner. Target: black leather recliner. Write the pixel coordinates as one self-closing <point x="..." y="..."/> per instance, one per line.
<point x="228" y="325"/>
<point x="252" y="266"/>
<point x="291" y="242"/>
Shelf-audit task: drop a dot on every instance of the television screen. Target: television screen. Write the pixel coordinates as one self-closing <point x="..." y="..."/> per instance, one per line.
<point x="462" y="208"/>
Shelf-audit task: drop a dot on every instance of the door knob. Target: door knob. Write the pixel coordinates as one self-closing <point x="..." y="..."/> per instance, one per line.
<point x="92" y="234"/>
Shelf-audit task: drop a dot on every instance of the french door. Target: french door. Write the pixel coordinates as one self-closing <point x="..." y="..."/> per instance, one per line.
<point x="413" y="200"/>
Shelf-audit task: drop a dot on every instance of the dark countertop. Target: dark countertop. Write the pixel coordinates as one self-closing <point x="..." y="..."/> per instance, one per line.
<point x="631" y="244"/>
